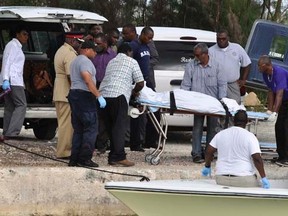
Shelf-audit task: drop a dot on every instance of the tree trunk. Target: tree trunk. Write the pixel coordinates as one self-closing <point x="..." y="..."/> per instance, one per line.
<point x="277" y="15"/>
<point x="218" y="12"/>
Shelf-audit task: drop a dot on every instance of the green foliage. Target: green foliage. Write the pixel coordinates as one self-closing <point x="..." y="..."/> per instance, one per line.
<point x="234" y="15"/>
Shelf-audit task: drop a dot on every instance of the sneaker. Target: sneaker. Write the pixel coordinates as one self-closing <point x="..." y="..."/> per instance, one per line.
<point x="88" y="163"/>
<point x="122" y="163"/>
<point x="198" y="159"/>
<point x="282" y="163"/>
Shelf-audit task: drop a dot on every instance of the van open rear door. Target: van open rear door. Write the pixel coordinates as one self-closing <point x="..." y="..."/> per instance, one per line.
<point x="50" y="14"/>
<point x="266" y="38"/>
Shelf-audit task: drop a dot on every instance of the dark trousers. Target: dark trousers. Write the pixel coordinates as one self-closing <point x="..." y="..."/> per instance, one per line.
<point x="281" y="131"/>
<point x="151" y="135"/>
<point x="85" y="124"/>
<point x="115" y="115"/>
<point x="102" y="137"/>
<point x="149" y="132"/>
<point x="135" y="132"/>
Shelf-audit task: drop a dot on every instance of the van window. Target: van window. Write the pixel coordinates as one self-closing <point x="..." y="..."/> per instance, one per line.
<point x="174" y="55"/>
<point x="278" y="47"/>
<point x="5" y="37"/>
<point x="40" y="41"/>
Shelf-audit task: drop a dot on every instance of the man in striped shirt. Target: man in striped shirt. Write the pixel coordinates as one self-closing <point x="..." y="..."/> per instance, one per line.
<point x="203" y="75"/>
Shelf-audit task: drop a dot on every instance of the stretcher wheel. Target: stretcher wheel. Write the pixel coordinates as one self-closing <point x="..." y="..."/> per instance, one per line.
<point x="155" y="160"/>
<point x="148" y="157"/>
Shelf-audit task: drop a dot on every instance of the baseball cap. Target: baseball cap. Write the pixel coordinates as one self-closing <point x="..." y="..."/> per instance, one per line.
<point x="88" y="45"/>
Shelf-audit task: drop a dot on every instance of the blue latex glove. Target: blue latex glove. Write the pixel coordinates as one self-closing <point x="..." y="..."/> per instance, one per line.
<point x="6" y="85"/>
<point x="102" y="101"/>
<point x="265" y="183"/>
<point x="206" y="171"/>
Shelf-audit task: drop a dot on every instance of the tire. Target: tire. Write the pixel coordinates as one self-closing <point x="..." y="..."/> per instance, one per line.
<point x="45" y="129"/>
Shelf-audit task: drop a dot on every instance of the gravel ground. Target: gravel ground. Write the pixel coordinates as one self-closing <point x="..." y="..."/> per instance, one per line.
<point x="176" y="153"/>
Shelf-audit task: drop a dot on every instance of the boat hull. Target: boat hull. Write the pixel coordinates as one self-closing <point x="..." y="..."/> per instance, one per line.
<point x="145" y="200"/>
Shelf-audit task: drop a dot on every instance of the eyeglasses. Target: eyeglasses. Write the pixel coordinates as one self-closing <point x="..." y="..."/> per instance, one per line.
<point x="198" y="55"/>
<point x="222" y="39"/>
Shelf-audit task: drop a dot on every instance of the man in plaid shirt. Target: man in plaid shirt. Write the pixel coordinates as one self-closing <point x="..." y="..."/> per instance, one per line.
<point x="116" y="88"/>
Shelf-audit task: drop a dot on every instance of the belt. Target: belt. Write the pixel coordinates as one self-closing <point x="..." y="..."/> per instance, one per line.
<point x="228" y="175"/>
<point x="80" y="90"/>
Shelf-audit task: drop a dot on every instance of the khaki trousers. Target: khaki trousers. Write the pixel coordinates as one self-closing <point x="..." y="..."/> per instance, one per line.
<point x="65" y="129"/>
<point x="238" y="181"/>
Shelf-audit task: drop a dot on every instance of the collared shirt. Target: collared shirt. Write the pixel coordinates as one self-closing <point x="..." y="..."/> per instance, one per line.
<point x="278" y="81"/>
<point x="207" y="80"/>
<point x="231" y="59"/>
<point x="62" y="61"/>
<point x="121" y="72"/>
<point x="79" y="65"/>
<point x="13" y="63"/>
<point x="101" y="61"/>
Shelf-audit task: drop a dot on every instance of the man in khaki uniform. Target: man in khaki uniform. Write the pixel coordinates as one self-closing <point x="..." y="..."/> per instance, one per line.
<point x="62" y="60"/>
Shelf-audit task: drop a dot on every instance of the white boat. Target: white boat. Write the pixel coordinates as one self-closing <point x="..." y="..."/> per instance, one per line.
<point x="200" y="197"/>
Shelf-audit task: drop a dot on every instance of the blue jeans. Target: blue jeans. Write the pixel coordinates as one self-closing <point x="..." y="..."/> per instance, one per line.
<point x="85" y="124"/>
<point x="198" y="132"/>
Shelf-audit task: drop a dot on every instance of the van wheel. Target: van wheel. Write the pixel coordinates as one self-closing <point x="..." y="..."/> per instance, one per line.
<point x="45" y="129"/>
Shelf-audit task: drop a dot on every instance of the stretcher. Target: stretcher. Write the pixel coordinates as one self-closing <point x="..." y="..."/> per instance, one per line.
<point x="185" y="102"/>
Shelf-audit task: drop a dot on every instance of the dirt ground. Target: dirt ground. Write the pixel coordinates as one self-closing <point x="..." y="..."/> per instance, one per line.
<point x="29" y="151"/>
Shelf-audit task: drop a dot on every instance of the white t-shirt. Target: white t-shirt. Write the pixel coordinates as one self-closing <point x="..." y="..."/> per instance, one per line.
<point x="235" y="146"/>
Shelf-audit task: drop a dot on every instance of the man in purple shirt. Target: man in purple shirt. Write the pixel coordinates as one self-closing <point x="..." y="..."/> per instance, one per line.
<point x="104" y="55"/>
<point x="100" y="61"/>
<point x="276" y="79"/>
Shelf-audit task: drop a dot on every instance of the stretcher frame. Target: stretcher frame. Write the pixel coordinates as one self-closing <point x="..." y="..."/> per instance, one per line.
<point x="162" y="126"/>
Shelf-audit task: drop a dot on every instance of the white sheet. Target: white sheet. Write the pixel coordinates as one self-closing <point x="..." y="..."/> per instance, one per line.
<point x="194" y="102"/>
<point x="187" y="100"/>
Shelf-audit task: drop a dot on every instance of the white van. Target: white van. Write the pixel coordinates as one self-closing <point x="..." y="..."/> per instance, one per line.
<point x="175" y="48"/>
<point x="46" y="28"/>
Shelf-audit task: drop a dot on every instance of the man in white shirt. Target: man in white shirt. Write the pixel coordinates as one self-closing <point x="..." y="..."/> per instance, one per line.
<point x="238" y="155"/>
<point x="11" y="77"/>
<point x="234" y="62"/>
